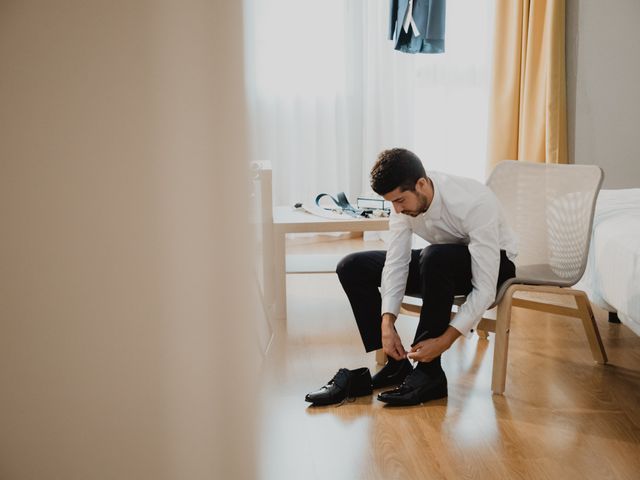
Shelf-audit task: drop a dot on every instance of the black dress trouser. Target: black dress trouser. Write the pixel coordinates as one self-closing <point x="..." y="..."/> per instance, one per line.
<point x="437" y="273"/>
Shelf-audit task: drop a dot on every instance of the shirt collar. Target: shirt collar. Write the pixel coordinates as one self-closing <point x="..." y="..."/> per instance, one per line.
<point x="435" y="208"/>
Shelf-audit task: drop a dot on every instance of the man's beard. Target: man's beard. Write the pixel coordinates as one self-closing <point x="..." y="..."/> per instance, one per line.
<point x="422" y="206"/>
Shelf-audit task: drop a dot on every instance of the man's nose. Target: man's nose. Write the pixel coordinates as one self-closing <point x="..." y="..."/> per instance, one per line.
<point x="397" y="208"/>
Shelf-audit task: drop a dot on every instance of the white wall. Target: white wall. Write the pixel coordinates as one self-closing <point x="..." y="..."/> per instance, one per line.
<point x="126" y="346"/>
<point x="603" y="97"/>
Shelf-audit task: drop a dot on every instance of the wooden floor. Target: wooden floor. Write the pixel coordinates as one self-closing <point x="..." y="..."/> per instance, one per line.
<point x="561" y="417"/>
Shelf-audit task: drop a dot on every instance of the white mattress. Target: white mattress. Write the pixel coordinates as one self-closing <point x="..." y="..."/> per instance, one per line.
<point x="612" y="276"/>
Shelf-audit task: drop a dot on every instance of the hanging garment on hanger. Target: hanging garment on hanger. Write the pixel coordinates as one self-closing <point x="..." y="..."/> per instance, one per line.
<point x="417" y="26"/>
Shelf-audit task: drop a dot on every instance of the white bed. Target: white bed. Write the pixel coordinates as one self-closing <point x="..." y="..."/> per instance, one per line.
<point x="612" y="275"/>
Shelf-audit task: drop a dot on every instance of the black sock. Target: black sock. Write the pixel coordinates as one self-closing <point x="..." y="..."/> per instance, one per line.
<point x="432" y="368"/>
<point x="393" y="364"/>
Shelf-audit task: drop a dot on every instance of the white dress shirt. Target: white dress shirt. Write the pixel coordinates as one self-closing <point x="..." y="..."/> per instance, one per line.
<point x="463" y="211"/>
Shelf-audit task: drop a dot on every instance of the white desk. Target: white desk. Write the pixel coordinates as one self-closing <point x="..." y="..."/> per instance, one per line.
<point x="287" y="220"/>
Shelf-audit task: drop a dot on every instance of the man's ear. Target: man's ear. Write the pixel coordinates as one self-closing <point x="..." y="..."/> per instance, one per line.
<point x="421" y="184"/>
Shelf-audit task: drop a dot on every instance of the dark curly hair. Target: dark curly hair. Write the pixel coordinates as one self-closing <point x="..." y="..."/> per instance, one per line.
<point x="397" y="167"/>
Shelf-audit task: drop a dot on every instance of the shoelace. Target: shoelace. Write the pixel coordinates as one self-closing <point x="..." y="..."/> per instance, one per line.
<point x="340" y="378"/>
<point x="343" y="373"/>
<point x="409" y="381"/>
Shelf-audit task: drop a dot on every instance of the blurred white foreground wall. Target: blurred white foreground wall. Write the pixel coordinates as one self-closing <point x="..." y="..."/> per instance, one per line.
<point x="126" y="347"/>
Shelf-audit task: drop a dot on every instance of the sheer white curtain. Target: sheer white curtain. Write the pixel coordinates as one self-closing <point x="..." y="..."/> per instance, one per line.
<point x="450" y="107"/>
<point x="327" y="92"/>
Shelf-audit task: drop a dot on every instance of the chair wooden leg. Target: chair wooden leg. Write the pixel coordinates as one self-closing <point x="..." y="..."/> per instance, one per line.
<point x="591" y="328"/>
<point x="381" y="357"/>
<point x="501" y="347"/>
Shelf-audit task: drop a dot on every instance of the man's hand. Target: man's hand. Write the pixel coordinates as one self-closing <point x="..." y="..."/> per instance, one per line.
<point x="428" y="349"/>
<point x="391" y="342"/>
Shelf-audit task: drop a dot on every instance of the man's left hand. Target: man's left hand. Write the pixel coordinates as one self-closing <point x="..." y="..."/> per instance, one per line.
<point x="428" y="349"/>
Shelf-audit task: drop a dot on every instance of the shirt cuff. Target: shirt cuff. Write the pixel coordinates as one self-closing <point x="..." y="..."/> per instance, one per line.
<point x="464" y="324"/>
<point x="390" y="306"/>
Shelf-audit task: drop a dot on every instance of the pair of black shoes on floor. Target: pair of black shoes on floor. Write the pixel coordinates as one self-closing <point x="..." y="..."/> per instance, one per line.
<point x="415" y="386"/>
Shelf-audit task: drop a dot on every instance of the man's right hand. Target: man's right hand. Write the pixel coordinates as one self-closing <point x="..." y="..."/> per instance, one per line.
<point x="391" y="342"/>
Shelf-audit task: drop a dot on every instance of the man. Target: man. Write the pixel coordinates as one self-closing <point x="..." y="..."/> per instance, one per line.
<point x="470" y="253"/>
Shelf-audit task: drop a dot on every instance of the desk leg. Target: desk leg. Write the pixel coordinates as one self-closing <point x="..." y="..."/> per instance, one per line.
<point x="280" y="278"/>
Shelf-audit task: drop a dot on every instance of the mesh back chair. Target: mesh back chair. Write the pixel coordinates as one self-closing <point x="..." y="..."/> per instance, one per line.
<point x="550" y="208"/>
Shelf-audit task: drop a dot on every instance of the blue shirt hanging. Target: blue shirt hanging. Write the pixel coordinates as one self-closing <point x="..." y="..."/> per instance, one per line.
<point x="417" y="26"/>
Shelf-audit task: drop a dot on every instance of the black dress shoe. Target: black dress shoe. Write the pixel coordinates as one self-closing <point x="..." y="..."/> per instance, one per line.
<point x="417" y="388"/>
<point x="393" y="373"/>
<point x="344" y="384"/>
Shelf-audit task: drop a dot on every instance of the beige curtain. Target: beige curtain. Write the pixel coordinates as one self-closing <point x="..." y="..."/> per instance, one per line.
<point x="527" y="113"/>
